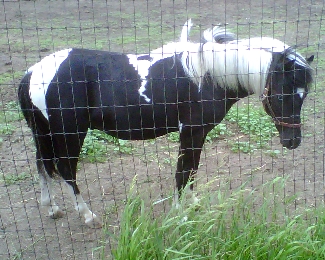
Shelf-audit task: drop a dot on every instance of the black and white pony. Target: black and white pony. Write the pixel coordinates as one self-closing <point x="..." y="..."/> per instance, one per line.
<point x="183" y="86"/>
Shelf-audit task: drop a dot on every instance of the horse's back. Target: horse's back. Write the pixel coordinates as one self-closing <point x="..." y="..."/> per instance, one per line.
<point x="104" y="90"/>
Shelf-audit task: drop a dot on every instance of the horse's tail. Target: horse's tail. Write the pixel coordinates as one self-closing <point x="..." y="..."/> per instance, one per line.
<point x="186" y="30"/>
<point x="218" y="35"/>
<point x="36" y="121"/>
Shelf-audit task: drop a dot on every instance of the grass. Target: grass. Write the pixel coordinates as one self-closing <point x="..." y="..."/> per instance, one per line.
<point x="9" y="113"/>
<point x="125" y="32"/>
<point x="255" y="123"/>
<point x="248" y="224"/>
<point x="10" y="76"/>
<point x="15" y="178"/>
<point x="98" y="146"/>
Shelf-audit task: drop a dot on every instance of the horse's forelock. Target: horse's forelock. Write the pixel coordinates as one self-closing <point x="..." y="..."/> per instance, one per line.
<point x="292" y="55"/>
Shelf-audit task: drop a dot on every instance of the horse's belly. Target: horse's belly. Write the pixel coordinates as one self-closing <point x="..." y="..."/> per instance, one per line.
<point x="136" y="122"/>
<point x="141" y="134"/>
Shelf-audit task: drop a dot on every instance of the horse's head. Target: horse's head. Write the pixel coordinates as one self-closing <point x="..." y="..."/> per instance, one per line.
<point x="285" y="91"/>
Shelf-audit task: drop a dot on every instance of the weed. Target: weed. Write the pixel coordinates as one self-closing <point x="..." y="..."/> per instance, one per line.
<point x="6" y="129"/>
<point x="15" y="178"/>
<point x="10" y="76"/>
<point x="123" y="146"/>
<point x="97" y="146"/>
<point x="274" y="153"/>
<point x="243" y="147"/>
<point x="252" y="121"/>
<point x="173" y="137"/>
<point x="9" y="113"/>
<point x="218" y="131"/>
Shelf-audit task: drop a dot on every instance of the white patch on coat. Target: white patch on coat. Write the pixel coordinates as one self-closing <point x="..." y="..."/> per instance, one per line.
<point x="43" y="73"/>
<point x="180" y="126"/>
<point x="143" y="66"/>
<point x="301" y="92"/>
<point x="167" y="50"/>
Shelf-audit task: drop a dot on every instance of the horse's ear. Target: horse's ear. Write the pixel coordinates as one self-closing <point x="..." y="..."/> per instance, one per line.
<point x="310" y="59"/>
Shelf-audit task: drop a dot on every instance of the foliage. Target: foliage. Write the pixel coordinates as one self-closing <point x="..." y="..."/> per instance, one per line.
<point x="7" y="77"/>
<point x="220" y="130"/>
<point x="9" y="112"/>
<point x="15" y="178"/>
<point x="255" y="123"/>
<point x="244" y="225"/>
<point x="98" y="145"/>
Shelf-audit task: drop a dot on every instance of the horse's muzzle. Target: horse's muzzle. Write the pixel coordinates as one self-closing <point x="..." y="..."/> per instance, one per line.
<point x="291" y="143"/>
<point x="290" y="137"/>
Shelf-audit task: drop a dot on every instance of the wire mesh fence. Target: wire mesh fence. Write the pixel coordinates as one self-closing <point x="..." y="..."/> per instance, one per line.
<point x="243" y="149"/>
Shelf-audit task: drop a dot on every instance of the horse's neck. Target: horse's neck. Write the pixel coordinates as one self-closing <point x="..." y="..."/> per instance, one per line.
<point x="222" y="100"/>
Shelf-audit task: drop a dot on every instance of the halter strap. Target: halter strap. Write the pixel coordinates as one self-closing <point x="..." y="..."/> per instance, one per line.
<point x="266" y="103"/>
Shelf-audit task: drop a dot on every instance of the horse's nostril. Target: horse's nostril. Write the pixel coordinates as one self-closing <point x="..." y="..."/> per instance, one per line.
<point x="294" y="143"/>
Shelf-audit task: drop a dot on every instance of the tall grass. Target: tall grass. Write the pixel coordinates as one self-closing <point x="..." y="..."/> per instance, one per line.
<point x="247" y="224"/>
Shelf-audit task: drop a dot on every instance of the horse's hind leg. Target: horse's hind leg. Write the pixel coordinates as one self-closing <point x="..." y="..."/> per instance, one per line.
<point x="45" y="169"/>
<point x="67" y="168"/>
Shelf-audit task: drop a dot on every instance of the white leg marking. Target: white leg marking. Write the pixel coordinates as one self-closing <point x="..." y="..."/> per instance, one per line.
<point x="176" y="200"/>
<point x="190" y="198"/>
<point x="43" y="73"/>
<point x="195" y="200"/>
<point x="192" y="201"/>
<point x="80" y="205"/>
<point x="47" y="198"/>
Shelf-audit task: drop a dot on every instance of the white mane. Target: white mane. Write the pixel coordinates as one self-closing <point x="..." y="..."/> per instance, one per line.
<point x="237" y="62"/>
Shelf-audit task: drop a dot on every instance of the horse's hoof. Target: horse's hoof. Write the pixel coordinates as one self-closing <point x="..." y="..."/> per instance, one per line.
<point x="57" y="214"/>
<point x="94" y="222"/>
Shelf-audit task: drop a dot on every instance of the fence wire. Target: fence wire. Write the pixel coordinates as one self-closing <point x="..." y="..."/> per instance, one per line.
<point x="237" y="152"/>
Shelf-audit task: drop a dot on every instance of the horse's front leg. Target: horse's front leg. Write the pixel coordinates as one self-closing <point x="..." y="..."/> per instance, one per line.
<point x="191" y="143"/>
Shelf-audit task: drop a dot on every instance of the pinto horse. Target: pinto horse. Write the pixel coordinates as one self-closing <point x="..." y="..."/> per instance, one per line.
<point x="184" y="86"/>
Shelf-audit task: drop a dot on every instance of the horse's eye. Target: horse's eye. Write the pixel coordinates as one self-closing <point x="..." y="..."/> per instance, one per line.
<point x="302" y="95"/>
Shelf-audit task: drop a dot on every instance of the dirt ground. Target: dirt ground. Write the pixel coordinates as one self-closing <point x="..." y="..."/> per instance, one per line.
<point x="32" y="29"/>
